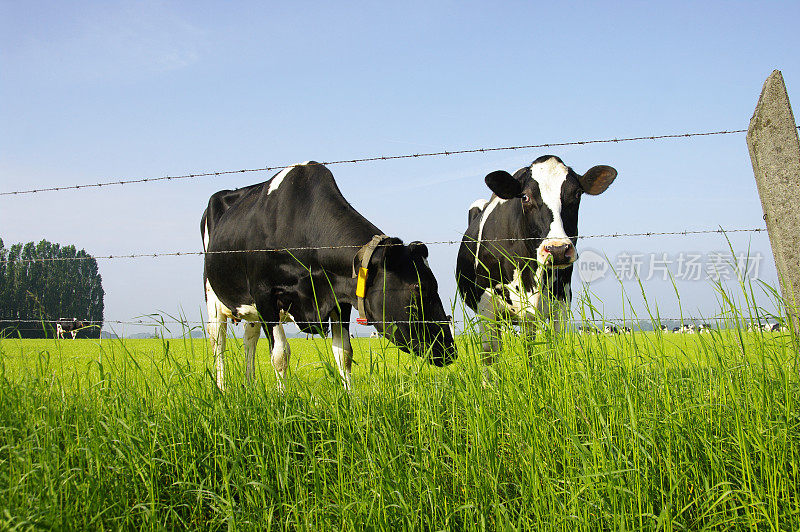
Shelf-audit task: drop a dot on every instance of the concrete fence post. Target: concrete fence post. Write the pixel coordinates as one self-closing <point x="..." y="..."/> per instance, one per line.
<point x="775" y="153"/>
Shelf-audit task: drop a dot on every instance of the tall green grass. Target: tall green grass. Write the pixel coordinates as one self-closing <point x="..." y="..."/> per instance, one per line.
<point x="576" y="432"/>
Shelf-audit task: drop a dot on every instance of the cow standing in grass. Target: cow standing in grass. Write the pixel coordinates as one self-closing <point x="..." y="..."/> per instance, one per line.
<point x="321" y="259"/>
<point x="516" y="257"/>
<point x="69" y="326"/>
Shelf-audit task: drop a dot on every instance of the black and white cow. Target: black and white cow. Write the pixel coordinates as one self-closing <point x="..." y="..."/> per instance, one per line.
<point x="72" y="326"/>
<point x="516" y="256"/>
<point x="320" y="244"/>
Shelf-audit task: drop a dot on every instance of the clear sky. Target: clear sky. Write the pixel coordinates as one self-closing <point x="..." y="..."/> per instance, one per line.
<point x="92" y="91"/>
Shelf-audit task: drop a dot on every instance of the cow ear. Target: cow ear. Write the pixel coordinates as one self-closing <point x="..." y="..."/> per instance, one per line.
<point x="418" y="249"/>
<point x="503" y="184"/>
<point x="597" y="179"/>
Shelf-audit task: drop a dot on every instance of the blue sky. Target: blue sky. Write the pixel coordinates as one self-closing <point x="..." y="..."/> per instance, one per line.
<point x="92" y="91"/>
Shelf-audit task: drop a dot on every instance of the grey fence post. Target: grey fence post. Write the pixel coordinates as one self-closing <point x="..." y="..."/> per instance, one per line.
<point x="775" y="153"/>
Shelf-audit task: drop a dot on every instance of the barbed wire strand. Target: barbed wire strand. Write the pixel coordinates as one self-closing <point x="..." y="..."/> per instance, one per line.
<point x="374" y="158"/>
<point x="358" y="246"/>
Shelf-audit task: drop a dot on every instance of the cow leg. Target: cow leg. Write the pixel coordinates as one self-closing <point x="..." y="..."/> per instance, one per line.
<point x="74" y="334"/>
<point x="340" y="343"/>
<point x="217" y="332"/>
<point x="252" y="331"/>
<point x="488" y="329"/>
<point x="280" y="354"/>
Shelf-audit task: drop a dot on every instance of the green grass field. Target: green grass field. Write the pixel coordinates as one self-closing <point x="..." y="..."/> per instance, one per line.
<point x="642" y="431"/>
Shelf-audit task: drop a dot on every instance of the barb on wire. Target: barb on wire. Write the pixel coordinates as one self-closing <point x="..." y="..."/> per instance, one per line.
<point x="372" y="159"/>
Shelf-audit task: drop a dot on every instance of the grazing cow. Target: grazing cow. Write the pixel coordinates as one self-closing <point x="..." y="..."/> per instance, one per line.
<point x="772" y="327"/>
<point x="515" y="260"/>
<point x="323" y="259"/>
<point x="664" y="328"/>
<point x="587" y="329"/>
<point x="64" y="325"/>
<point x="705" y="327"/>
<point x="626" y="330"/>
<point x="611" y="329"/>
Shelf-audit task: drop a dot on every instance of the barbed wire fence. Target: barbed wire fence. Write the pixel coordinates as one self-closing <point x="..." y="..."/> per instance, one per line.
<point x="357" y="246"/>
<point x="374" y="159"/>
<point x="141" y="255"/>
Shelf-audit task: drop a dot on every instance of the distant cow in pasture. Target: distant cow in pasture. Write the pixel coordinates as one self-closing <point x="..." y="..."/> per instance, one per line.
<point x="72" y="326"/>
<point x="772" y="327"/>
<point x="664" y="328"/>
<point x="705" y="327"/>
<point x="626" y="330"/>
<point x="611" y="329"/>
<point x="516" y="257"/>
<point x="293" y="248"/>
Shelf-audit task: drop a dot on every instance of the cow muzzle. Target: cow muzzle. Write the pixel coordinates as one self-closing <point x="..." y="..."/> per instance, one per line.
<point x="559" y="252"/>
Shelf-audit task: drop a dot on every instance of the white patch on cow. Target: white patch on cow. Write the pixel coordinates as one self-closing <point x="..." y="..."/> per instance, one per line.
<point x="342" y="349"/>
<point x="550" y="175"/>
<point x="485" y="216"/>
<point x="216" y="309"/>
<point x="206" y="236"/>
<point x="247" y="312"/>
<point x="524" y="303"/>
<point x="278" y="179"/>
<point x="280" y="354"/>
<point x="479" y="204"/>
<point x="252" y="331"/>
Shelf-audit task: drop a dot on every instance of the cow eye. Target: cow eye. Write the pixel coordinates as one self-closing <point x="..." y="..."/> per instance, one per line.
<point x="525" y="198"/>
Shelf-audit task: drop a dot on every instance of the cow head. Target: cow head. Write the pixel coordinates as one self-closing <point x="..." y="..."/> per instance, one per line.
<point x="549" y="194"/>
<point x="402" y="301"/>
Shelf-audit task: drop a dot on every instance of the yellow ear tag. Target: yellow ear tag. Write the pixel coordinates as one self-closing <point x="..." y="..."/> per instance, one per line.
<point x="361" y="285"/>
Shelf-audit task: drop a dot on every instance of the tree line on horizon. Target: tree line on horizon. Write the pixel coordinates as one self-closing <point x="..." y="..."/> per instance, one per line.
<point x="36" y="290"/>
